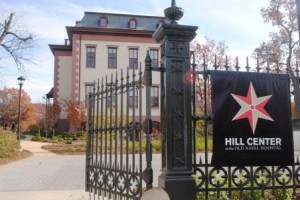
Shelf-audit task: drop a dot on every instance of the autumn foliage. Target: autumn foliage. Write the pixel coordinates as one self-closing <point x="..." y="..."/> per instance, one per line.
<point x="215" y="54"/>
<point x="52" y="115"/>
<point x="282" y="50"/>
<point x="75" y="113"/>
<point x="9" y="104"/>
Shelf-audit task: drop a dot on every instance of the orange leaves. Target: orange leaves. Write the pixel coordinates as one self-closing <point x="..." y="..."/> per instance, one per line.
<point x="9" y="105"/>
<point x="75" y="112"/>
<point x="52" y="115"/>
<point x="215" y="52"/>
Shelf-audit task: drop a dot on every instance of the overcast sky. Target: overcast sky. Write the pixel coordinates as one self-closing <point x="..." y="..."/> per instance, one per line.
<point x="237" y="22"/>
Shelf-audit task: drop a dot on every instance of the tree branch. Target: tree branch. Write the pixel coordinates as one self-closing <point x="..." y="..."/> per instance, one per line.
<point x="20" y="38"/>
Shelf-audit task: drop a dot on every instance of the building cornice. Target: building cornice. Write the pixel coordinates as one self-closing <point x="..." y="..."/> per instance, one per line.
<point x="57" y="47"/>
<point x="108" y="31"/>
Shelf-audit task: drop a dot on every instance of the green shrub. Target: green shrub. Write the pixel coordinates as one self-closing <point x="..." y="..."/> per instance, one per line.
<point x="44" y="139"/>
<point x="40" y="139"/>
<point x="156" y="145"/>
<point x="59" y="133"/>
<point x="36" y="138"/>
<point x="33" y="129"/>
<point x="200" y="143"/>
<point x="68" y="136"/>
<point x="279" y="194"/>
<point x="82" y="135"/>
<point x="8" y="143"/>
<point x="57" y="138"/>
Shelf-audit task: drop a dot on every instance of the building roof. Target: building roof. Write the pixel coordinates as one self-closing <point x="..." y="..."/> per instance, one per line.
<point x="117" y="24"/>
<point x="120" y="21"/>
<point x="58" y="47"/>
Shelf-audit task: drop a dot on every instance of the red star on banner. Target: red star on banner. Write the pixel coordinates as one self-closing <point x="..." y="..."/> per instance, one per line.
<point x="252" y="107"/>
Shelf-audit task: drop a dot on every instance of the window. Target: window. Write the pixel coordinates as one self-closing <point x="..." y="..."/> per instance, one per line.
<point x="103" y="22"/>
<point x="132" y="24"/>
<point x="154" y="57"/>
<point x="111" y="101"/>
<point x="154" y="96"/>
<point x="133" y="58"/>
<point x="89" y="89"/>
<point x="112" y="57"/>
<point x="133" y="99"/>
<point x="91" y="57"/>
<point x="110" y="95"/>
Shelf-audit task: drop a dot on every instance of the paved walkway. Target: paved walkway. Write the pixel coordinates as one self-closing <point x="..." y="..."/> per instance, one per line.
<point x="48" y="176"/>
<point x="35" y="147"/>
<point x="43" y="176"/>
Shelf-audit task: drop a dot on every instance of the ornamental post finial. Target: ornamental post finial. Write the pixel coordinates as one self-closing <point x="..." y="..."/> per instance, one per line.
<point x="173" y="13"/>
<point x="173" y="3"/>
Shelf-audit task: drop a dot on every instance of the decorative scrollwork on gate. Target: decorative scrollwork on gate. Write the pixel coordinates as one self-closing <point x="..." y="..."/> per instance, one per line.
<point x="218" y="177"/>
<point x="199" y="177"/>
<point x="283" y="175"/>
<point x="262" y="176"/>
<point x="297" y="175"/>
<point x="241" y="176"/>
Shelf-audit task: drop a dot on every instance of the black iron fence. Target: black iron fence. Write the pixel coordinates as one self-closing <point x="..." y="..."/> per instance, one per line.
<point x="115" y="148"/>
<point x="119" y="142"/>
<point x="240" y="182"/>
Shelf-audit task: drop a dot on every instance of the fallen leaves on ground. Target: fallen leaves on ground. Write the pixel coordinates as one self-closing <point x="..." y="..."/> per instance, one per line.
<point x="76" y="147"/>
<point x="17" y="156"/>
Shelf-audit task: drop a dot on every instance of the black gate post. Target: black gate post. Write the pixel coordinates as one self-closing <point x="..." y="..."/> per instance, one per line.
<point x="176" y="174"/>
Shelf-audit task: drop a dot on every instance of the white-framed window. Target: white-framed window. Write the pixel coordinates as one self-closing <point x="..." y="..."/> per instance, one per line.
<point x="133" y="58"/>
<point x="154" y="96"/>
<point x="88" y="89"/>
<point x="133" y="99"/>
<point x="90" y="56"/>
<point x="112" y="57"/>
<point x="154" y="57"/>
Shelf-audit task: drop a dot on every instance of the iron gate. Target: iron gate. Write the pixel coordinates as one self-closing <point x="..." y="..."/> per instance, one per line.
<point x="243" y="182"/>
<point x="115" y="160"/>
<point x="116" y="164"/>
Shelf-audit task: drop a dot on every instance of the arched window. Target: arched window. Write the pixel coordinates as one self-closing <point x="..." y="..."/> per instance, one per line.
<point x="103" y="22"/>
<point x="132" y="24"/>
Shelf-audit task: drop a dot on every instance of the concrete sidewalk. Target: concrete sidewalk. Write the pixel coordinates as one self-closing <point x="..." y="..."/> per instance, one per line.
<point x="35" y="147"/>
<point x="43" y="176"/>
<point x="45" y="195"/>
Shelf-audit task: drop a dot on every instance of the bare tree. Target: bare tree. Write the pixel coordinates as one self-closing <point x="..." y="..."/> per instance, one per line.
<point x="52" y="116"/>
<point x="15" y="39"/>
<point x="215" y="52"/>
<point x="280" y="53"/>
<point x="215" y="55"/>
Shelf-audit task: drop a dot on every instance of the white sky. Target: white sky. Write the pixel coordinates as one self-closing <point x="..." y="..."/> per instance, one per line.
<point x="237" y="22"/>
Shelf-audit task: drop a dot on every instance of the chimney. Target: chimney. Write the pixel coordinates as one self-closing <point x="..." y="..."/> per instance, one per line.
<point x="66" y="41"/>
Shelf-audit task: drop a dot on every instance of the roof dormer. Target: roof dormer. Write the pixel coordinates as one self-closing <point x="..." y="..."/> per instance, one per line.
<point x="132" y="24"/>
<point x="103" y="21"/>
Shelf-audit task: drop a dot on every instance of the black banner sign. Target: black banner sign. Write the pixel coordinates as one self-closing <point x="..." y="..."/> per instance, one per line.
<point x="251" y="124"/>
